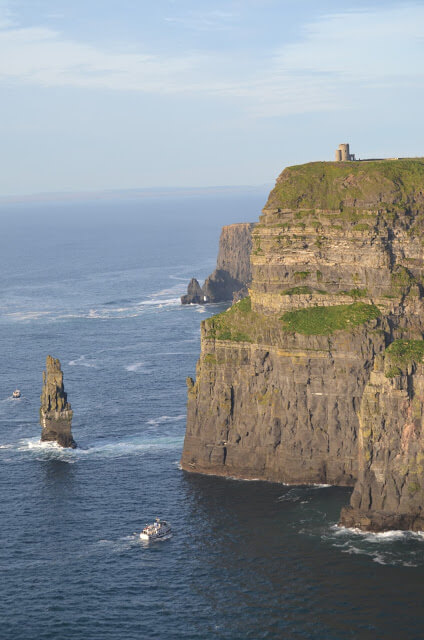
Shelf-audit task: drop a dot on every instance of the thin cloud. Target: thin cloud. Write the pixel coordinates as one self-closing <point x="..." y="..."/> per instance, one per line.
<point x="335" y="61"/>
<point x="205" y="21"/>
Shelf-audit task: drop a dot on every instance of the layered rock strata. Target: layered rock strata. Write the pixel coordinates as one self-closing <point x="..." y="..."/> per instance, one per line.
<point x="232" y="273"/>
<point x="55" y="411"/>
<point x="337" y="275"/>
<point x="389" y="493"/>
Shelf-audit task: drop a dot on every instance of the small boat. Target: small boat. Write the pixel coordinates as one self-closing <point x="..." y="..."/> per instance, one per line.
<point x="159" y="530"/>
<point x="16" y="394"/>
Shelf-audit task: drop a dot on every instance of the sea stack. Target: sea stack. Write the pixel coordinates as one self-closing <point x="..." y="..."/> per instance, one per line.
<point x="55" y="410"/>
<point x="232" y="275"/>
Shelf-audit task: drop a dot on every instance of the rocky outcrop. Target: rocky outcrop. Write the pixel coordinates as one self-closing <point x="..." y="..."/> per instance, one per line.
<point x="232" y="273"/>
<point x="194" y="293"/>
<point x="389" y="493"/>
<point x="337" y="275"/>
<point x="55" y="411"/>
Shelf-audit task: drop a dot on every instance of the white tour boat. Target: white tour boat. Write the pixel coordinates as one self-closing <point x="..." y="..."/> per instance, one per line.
<point x="159" y="530"/>
<point x="16" y="394"/>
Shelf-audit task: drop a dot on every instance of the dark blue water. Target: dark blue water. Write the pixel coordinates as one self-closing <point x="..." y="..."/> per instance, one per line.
<point x="97" y="285"/>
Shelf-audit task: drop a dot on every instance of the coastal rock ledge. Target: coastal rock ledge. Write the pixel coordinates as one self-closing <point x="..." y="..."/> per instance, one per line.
<point x="230" y="279"/>
<point x="318" y="376"/>
<point x="55" y="410"/>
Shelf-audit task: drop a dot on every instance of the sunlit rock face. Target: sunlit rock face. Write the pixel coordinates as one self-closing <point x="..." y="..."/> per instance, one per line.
<point x="55" y="410"/>
<point x="389" y="493"/>
<point x="337" y="268"/>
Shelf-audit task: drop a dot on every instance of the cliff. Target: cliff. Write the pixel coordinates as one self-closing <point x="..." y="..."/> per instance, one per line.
<point x="55" y="410"/>
<point x="337" y="275"/>
<point x="232" y="273"/>
<point x="389" y="493"/>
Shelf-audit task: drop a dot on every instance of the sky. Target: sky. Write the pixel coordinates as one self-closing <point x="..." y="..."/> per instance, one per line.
<point x="132" y="94"/>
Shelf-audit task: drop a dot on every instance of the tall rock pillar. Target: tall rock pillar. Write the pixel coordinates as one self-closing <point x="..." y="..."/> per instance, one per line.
<point x="55" y="410"/>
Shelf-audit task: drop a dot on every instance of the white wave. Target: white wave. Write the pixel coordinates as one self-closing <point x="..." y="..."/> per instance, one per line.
<point x="164" y="419"/>
<point x="105" y="449"/>
<point x="176" y="289"/>
<point x="383" y="536"/>
<point x="129" y="447"/>
<point x="201" y="310"/>
<point x="38" y="445"/>
<point x="27" y="315"/>
<point x="81" y="362"/>
<point x="183" y="279"/>
<point x="134" y="367"/>
<point x="167" y="302"/>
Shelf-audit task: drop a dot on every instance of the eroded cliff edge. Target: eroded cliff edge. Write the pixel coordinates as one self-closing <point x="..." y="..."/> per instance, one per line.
<point x="233" y="272"/>
<point x="337" y="275"/>
<point x="389" y="492"/>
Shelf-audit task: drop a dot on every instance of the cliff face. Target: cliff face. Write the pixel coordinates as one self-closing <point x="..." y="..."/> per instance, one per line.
<point x="55" y="410"/>
<point x="389" y="493"/>
<point x="232" y="273"/>
<point x="337" y="274"/>
<point x="281" y="408"/>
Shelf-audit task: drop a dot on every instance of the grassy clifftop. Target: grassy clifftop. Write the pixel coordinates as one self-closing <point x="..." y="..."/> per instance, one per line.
<point x="334" y="185"/>
<point x="240" y="324"/>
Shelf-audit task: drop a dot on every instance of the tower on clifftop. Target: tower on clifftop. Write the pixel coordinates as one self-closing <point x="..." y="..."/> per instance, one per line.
<point x="343" y="154"/>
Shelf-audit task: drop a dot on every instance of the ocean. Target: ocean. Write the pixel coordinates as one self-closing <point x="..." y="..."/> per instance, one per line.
<point x="97" y="284"/>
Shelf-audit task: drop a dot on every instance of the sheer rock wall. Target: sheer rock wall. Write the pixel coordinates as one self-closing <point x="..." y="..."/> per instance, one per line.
<point x="389" y="493"/>
<point x="337" y="275"/>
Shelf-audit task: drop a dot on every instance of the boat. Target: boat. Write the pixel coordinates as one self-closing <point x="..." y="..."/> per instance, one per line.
<point x="16" y="394"/>
<point x="159" y="530"/>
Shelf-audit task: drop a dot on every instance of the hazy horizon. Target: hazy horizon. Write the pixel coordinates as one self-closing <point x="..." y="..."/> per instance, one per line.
<point x="111" y="95"/>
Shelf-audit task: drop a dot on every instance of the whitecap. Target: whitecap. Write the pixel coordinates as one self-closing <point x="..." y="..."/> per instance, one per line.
<point x="27" y="315"/>
<point x="136" y="366"/>
<point x="82" y="362"/>
<point x="166" y="302"/>
<point x="381" y="536"/>
<point x="163" y="419"/>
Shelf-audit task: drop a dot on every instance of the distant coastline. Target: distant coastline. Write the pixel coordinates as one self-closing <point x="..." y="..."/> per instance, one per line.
<point x="126" y="194"/>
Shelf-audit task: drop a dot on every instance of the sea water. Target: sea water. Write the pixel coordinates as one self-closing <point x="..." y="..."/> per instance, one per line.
<point x="97" y="285"/>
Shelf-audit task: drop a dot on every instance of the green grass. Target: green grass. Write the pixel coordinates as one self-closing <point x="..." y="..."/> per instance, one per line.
<point x="301" y="275"/>
<point x="326" y="320"/>
<point x="402" y="353"/>
<point x="362" y="226"/>
<point x="298" y="291"/>
<point x="224" y="327"/>
<point x="392" y="184"/>
<point x="355" y="293"/>
<point x="240" y="324"/>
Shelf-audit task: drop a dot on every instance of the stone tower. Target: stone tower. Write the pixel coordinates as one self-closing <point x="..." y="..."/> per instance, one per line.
<point x="343" y="153"/>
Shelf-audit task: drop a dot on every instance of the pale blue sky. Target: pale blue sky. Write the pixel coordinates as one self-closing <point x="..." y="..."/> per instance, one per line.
<point x="117" y="94"/>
